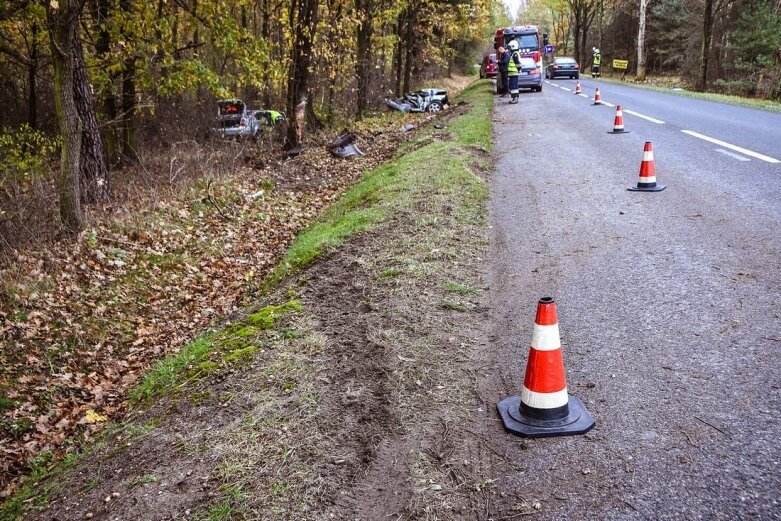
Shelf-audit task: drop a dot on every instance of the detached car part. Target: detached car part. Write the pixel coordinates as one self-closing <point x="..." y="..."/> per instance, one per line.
<point x="344" y="146"/>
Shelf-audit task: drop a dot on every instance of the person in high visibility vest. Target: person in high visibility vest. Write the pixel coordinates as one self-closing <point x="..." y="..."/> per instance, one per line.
<point x="595" y="73"/>
<point x="504" y="60"/>
<point x="514" y="70"/>
<point x="273" y="117"/>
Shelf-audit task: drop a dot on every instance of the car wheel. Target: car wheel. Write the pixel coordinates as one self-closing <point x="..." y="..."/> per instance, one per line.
<point x="577" y="76"/>
<point x="435" y="106"/>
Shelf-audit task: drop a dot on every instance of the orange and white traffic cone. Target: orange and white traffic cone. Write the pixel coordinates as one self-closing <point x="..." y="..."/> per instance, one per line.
<point x="577" y="88"/>
<point x="544" y="408"/>
<point x="647" y="181"/>
<point x="618" y="123"/>
<point x="597" y="98"/>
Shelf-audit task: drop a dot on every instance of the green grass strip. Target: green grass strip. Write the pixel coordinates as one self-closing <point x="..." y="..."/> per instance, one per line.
<point x="753" y="103"/>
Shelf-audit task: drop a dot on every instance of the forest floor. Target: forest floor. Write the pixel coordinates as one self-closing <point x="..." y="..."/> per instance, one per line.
<point x="347" y="390"/>
<point x="81" y="322"/>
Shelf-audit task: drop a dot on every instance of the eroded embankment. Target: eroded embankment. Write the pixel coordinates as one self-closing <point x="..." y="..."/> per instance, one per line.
<point x="353" y="396"/>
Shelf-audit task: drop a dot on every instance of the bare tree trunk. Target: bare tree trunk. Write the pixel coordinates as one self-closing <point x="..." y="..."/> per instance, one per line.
<point x="94" y="173"/>
<point x="265" y="32"/>
<point x="576" y="28"/>
<point x="63" y="24"/>
<point x="398" y="58"/>
<point x="707" y="28"/>
<point x="129" y="143"/>
<point x="303" y="24"/>
<point x="640" y="76"/>
<point x="365" y="10"/>
<point x="108" y="101"/>
<point x="32" y="70"/>
<point x="409" y="42"/>
<point x="582" y="14"/>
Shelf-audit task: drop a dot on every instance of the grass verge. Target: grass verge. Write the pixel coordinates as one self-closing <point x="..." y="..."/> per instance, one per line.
<point x="383" y="190"/>
<point x="759" y="104"/>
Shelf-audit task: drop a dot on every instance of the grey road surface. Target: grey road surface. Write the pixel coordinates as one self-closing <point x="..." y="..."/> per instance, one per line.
<point x="754" y="130"/>
<point x="669" y="307"/>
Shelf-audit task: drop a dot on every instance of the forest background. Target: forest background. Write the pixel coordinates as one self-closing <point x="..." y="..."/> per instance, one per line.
<point x="103" y="85"/>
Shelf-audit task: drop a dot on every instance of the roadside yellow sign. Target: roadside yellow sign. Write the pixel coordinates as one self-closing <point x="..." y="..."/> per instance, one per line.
<point x="620" y="64"/>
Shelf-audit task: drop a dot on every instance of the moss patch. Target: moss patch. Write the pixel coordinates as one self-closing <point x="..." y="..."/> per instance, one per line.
<point x="210" y="352"/>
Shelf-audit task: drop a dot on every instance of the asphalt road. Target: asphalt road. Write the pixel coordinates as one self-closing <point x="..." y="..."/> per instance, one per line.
<point x="669" y="304"/>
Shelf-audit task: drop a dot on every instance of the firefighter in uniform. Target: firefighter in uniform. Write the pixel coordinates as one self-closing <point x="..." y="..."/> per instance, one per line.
<point x="595" y="73"/>
<point x="514" y="70"/>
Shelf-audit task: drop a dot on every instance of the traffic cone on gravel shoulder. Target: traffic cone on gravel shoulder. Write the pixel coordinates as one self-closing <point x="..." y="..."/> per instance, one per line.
<point x="647" y="181"/>
<point x="597" y="98"/>
<point x="544" y="408"/>
<point x="618" y="123"/>
<point x="577" y="88"/>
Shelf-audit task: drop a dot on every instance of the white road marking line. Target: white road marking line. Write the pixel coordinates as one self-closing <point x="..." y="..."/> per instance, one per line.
<point x="608" y="104"/>
<point x="730" y="154"/>
<point x="554" y="84"/>
<point x="565" y="88"/>
<point x="546" y="81"/>
<point x="736" y="148"/>
<point x="583" y="95"/>
<point x="649" y="118"/>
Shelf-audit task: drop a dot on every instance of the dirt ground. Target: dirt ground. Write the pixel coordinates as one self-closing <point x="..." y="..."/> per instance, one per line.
<point x="363" y="405"/>
<point x="82" y="320"/>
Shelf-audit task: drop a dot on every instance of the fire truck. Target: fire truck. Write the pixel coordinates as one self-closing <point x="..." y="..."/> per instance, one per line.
<point x="528" y="37"/>
<point x="529" y="42"/>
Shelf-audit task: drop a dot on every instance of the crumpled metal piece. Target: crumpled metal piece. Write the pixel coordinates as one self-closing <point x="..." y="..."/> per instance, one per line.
<point x="399" y="105"/>
<point x="344" y="146"/>
<point x="347" y="151"/>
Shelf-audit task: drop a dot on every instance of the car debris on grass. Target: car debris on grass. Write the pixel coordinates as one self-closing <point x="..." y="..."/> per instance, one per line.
<point x="424" y="100"/>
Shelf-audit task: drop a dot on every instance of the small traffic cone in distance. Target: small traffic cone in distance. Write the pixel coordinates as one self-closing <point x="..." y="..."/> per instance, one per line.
<point x="618" y="122"/>
<point x="544" y="408"/>
<point x="647" y="181"/>
<point x="577" y="88"/>
<point x="597" y="98"/>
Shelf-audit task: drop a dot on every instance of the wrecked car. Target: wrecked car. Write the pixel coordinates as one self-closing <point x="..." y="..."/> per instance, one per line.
<point x="424" y="100"/>
<point x="234" y="120"/>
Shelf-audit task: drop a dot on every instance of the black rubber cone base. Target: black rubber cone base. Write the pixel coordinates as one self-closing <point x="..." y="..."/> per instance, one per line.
<point x="578" y="421"/>
<point x="618" y="131"/>
<point x="657" y="188"/>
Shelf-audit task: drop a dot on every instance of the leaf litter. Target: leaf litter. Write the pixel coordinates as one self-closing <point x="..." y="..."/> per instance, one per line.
<point x="81" y="321"/>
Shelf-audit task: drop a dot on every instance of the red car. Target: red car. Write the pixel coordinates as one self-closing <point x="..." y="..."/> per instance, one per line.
<point x="489" y="68"/>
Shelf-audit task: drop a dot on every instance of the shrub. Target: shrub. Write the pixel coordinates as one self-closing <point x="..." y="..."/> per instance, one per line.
<point x="26" y="192"/>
